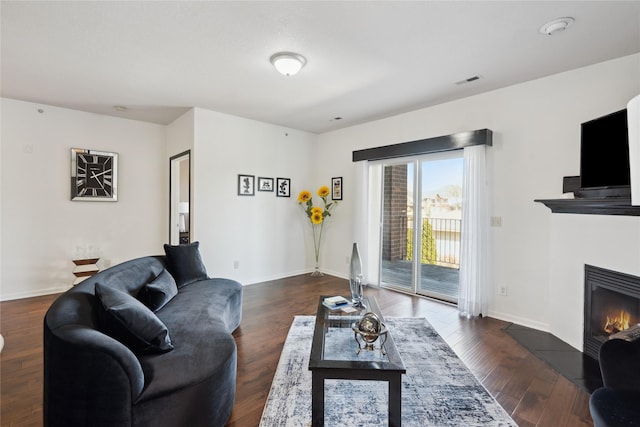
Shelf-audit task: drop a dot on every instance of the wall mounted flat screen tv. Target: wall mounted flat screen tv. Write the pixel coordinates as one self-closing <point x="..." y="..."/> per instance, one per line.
<point x="604" y="155"/>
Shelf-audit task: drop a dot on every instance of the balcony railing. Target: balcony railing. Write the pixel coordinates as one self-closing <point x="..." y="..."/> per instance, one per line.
<point x="440" y="241"/>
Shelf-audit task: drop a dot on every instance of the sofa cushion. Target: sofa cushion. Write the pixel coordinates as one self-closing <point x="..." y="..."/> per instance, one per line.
<point x="159" y="292"/>
<point x="127" y="320"/>
<point x="201" y="318"/>
<point x="185" y="264"/>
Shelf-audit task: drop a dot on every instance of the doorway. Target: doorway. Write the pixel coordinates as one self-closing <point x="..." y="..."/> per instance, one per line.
<point x="420" y="240"/>
<point x="180" y="198"/>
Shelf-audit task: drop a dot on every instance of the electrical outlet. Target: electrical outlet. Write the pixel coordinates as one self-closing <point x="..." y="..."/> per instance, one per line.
<point x="496" y="221"/>
<point x="503" y="290"/>
<point x="236" y="264"/>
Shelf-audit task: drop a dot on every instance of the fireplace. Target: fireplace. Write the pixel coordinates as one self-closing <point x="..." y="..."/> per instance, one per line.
<point x="611" y="305"/>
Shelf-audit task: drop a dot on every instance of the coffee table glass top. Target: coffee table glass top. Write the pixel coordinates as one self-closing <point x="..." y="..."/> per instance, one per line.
<point x="335" y="346"/>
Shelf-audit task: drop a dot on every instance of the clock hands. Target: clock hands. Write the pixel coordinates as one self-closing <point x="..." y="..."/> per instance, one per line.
<point x="95" y="176"/>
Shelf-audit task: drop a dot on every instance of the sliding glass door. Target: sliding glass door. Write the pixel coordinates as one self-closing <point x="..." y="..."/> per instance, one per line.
<point x="421" y="218"/>
<point x="397" y="268"/>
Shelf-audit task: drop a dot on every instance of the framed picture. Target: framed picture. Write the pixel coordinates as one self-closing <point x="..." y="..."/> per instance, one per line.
<point x="246" y="185"/>
<point x="283" y="187"/>
<point x="265" y="184"/>
<point x="336" y="188"/>
<point x="94" y="175"/>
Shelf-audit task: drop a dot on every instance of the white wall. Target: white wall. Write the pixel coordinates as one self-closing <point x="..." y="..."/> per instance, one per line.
<point x="180" y="138"/>
<point x="42" y="228"/>
<point x="267" y="235"/>
<point x="180" y="134"/>
<point x="537" y="255"/>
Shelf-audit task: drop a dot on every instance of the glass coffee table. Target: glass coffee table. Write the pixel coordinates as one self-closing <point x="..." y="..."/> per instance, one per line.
<point x="337" y="352"/>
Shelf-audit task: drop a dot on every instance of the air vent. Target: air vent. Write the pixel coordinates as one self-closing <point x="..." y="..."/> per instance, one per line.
<point x="469" y="80"/>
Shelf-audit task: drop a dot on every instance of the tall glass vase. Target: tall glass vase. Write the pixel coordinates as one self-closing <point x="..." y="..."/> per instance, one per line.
<point x="316" y="271"/>
<point x="317" y="239"/>
<point x="355" y="276"/>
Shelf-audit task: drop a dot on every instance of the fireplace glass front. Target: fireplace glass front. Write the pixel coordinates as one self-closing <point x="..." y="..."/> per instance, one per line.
<point x="612" y="304"/>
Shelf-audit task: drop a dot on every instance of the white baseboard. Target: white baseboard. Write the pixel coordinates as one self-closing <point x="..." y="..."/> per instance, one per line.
<point x="540" y="326"/>
<point x="34" y="293"/>
<point x="294" y="273"/>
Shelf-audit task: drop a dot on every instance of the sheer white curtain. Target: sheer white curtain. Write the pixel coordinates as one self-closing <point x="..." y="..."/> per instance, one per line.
<point x="367" y="205"/>
<point x="360" y="202"/>
<point x="361" y="220"/>
<point x="474" y="273"/>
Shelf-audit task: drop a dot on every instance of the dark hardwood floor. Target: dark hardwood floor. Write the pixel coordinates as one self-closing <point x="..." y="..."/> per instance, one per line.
<point x="532" y="392"/>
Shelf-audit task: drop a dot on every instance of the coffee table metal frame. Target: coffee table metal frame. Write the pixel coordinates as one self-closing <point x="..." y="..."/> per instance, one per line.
<point x="390" y="370"/>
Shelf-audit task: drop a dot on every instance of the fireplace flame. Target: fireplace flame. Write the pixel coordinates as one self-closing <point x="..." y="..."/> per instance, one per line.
<point x="617" y="323"/>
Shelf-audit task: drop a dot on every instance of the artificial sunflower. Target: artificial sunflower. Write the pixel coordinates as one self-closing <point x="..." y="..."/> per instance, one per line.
<point x="316" y="218"/>
<point x="316" y="215"/>
<point x="323" y="191"/>
<point x="304" y="196"/>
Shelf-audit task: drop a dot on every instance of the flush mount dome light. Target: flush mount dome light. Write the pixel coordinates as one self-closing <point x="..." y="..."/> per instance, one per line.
<point x="556" y="26"/>
<point x="288" y="63"/>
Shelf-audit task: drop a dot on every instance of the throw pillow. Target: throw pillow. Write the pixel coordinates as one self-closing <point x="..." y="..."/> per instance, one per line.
<point x="127" y="320"/>
<point x="185" y="264"/>
<point x="159" y="291"/>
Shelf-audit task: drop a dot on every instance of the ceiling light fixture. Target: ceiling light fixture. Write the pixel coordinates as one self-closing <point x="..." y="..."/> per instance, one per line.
<point x="556" y="26"/>
<point x="288" y="63"/>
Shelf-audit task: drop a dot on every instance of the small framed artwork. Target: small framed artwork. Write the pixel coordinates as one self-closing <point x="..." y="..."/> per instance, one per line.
<point x="283" y="187"/>
<point x="246" y="185"/>
<point x="265" y="184"/>
<point x="336" y="188"/>
<point x="94" y="175"/>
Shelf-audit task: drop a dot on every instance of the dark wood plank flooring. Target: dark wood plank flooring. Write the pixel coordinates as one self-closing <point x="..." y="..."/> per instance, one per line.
<point x="532" y="392"/>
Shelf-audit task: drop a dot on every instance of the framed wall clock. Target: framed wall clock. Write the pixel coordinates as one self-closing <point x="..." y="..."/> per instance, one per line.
<point x="94" y="175"/>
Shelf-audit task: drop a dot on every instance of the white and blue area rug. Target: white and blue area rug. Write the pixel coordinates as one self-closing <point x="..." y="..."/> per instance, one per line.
<point x="437" y="390"/>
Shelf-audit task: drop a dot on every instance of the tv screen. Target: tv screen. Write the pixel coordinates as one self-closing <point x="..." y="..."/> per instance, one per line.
<point x="604" y="152"/>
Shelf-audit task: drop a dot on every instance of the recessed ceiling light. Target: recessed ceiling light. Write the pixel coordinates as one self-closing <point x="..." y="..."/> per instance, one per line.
<point x="288" y="63"/>
<point x="556" y="26"/>
<point x="120" y="108"/>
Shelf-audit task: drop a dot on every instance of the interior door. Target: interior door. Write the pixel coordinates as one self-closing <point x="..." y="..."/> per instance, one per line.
<point x="180" y="198"/>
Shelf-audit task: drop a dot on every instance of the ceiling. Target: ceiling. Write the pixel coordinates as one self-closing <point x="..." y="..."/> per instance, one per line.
<point x="365" y="60"/>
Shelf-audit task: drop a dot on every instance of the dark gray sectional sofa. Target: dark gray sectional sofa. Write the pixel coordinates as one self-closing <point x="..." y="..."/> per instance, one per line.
<point x="144" y="343"/>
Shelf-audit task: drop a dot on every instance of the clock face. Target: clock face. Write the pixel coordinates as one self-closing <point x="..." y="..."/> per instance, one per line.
<point x="93" y="175"/>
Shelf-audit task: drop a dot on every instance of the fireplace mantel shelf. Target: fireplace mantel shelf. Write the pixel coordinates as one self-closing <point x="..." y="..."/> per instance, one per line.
<point x="605" y="206"/>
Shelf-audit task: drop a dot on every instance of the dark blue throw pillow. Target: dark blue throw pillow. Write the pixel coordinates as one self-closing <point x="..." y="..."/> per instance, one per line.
<point x="127" y="320"/>
<point x="185" y="264"/>
<point x="159" y="291"/>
